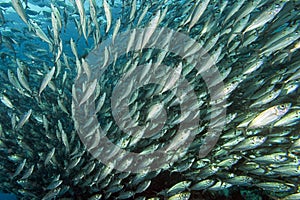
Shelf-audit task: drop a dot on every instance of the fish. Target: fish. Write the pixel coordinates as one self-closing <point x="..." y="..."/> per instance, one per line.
<point x="274" y="186"/>
<point x="267" y="98"/>
<point x="51" y="194"/>
<point x="238" y="63"/>
<point x="49" y="156"/>
<point x="199" y="9"/>
<point x="250" y="143"/>
<point x="269" y="116"/>
<point x="179" y="187"/>
<point x="24" y="119"/>
<point x="242" y="180"/>
<point x="14" y="81"/>
<point x="46" y="80"/>
<point x="180" y="196"/>
<point x="234" y="10"/>
<point x="28" y="172"/>
<point x="145" y="10"/>
<point x="19" y="168"/>
<point x="17" y="5"/>
<point x="107" y="15"/>
<point x="292" y="197"/>
<point x="80" y="7"/>
<point x="95" y="197"/>
<point x="265" y="16"/>
<point x="219" y="186"/>
<point x="23" y="80"/>
<point x="272" y="158"/>
<point x="173" y="78"/>
<point x="133" y="10"/>
<point x="39" y="32"/>
<point x="2" y="19"/>
<point x="116" y="30"/>
<point x="88" y="92"/>
<point x="54" y="184"/>
<point x="6" y="101"/>
<point x="152" y="27"/>
<point x="201" y="185"/>
<point x="56" y="23"/>
<point x="287" y="170"/>
<point x="289" y="119"/>
<point x="283" y="43"/>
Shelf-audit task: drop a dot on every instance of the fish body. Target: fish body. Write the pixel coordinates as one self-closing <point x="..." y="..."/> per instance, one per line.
<point x="107" y="15"/>
<point x="6" y="101"/>
<point x="269" y="116"/>
<point x="46" y="80"/>
<point x="198" y="11"/>
<point x="274" y="186"/>
<point x="24" y="119"/>
<point x="289" y="119"/>
<point x="250" y="143"/>
<point x="17" y="5"/>
<point x="39" y="32"/>
<point x="264" y="17"/>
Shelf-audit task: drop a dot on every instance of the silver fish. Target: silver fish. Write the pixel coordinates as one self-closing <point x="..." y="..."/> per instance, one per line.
<point x="6" y="101"/>
<point x="288" y="120"/>
<point x="264" y="17"/>
<point x="179" y="187"/>
<point x="88" y="92"/>
<point x="107" y="15"/>
<point x="19" y="168"/>
<point x="250" y="143"/>
<point x="180" y="196"/>
<point x="24" y="119"/>
<point x="270" y="115"/>
<point x="198" y="11"/>
<point x="275" y="186"/>
<point x="46" y="80"/>
<point x="17" y="4"/>
<point x="39" y="32"/>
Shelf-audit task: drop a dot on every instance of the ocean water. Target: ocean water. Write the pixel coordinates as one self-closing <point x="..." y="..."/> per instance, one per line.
<point x="5" y="196"/>
<point x="48" y="136"/>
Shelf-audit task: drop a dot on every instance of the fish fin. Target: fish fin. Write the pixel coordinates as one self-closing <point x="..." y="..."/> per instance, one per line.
<point x="246" y="158"/>
<point x="288" y="51"/>
<point x="274" y="198"/>
<point x="26" y="5"/>
<point x="245" y="130"/>
<point x="270" y="129"/>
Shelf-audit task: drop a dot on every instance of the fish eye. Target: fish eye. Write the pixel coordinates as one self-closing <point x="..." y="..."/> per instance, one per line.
<point x="277" y="6"/>
<point x="282" y="107"/>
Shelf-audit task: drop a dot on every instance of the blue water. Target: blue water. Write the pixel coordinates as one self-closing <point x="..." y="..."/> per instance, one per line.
<point x="4" y="196"/>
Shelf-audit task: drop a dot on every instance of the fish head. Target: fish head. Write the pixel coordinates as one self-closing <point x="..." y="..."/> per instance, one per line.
<point x="282" y="108"/>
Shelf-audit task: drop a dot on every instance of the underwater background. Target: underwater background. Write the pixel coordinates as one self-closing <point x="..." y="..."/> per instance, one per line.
<point x="159" y="99"/>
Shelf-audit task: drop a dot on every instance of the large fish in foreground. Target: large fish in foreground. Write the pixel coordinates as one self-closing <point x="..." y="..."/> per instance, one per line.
<point x="46" y="54"/>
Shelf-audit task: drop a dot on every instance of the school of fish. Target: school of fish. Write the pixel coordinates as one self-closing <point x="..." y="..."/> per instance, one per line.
<point x="45" y="48"/>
